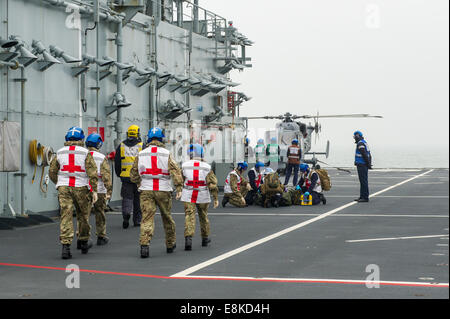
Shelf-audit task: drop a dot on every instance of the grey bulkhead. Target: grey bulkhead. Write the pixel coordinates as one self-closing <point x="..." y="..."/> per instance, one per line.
<point x="53" y="96"/>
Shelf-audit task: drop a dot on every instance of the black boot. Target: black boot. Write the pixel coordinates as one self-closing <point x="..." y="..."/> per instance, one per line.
<point x="171" y="249"/>
<point x="324" y="200"/>
<point x="102" y="241"/>
<point x="205" y="241"/>
<point x="78" y="244"/>
<point x="145" y="251"/>
<point x="225" y="200"/>
<point x="188" y="243"/>
<point x="126" y="222"/>
<point x="85" y="246"/>
<point x="66" y="252"/>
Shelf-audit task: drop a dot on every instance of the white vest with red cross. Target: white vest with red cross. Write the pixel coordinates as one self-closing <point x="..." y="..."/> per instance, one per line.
<point x="258" y="177"/>
<point x="307" y="177"/>
<point x="99" y="158"/>
<point x="195" y="189"/>
<point x="227" y="188"/>
<point x="72" y="169"/>
<point x="153" y="167"/>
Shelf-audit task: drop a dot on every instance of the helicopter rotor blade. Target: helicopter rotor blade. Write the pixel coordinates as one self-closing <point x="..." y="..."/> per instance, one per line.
<point x="338" y="116"/>
<point x="264" y="118"/>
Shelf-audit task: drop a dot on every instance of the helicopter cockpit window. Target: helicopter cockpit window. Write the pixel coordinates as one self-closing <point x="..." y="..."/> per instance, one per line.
<point x="287" y="137"/>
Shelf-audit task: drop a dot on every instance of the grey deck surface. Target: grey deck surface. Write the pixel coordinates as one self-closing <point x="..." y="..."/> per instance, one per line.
<point x="319" y="250"/>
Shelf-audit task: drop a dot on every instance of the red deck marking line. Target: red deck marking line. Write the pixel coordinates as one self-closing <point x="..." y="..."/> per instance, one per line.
<point x="248" y="279"/>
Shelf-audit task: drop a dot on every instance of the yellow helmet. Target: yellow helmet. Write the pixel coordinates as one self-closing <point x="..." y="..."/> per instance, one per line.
<point x="133" y="131"/>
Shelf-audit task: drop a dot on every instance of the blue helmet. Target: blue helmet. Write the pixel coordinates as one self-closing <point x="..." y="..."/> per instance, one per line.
<point x="260" y="141"/>
<point x="358" y="133"/>
<point x="247" y="140"/>
<point x="295" y="141"/>
<point x="94" y="140"/>
<point x="196" y="150"/>
<point x="304" y="167"/>
<point x="75" y="133"/>
<point x="155" y="132"/>
<point x="273" y="139"/>
<point x="259" y="164"/>
<point x="242" y="165"/>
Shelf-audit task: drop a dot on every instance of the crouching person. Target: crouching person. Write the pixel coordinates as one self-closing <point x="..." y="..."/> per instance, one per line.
<point x="255" y="178"/>
<point x="310" y="182"/>
<point x="236" y="187"/>
<point x="272" y="190"/>
<point x="199" y="183"/>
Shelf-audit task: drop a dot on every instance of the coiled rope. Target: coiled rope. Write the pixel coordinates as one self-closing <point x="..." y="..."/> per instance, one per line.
<point x="40" y="156"/>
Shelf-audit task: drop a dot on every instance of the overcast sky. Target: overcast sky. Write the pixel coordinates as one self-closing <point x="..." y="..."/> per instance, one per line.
<point x="386" y="58"/>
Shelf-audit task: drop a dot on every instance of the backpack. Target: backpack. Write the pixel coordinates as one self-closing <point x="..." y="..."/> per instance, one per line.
<point x="272" y="181"/>
<point x="295" y="196"/>
<point x="258" y="199"/>
<point x="325" y="180"/>
<point x="286" y="199"/>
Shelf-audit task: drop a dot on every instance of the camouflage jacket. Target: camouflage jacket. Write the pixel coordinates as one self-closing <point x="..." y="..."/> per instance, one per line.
<point x="234" y="182"/>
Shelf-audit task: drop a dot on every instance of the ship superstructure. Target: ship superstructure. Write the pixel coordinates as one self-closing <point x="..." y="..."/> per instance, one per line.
<point x="105" y="65"/>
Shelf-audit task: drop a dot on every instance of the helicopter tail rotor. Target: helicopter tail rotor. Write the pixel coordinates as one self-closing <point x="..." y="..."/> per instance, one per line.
<point x="317" y="127"/>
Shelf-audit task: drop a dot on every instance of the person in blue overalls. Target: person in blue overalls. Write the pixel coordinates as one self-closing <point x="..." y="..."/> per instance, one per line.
<point x="363" y="162"/>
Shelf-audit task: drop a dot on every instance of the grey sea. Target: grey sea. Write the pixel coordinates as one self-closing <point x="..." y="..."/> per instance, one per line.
<point x="418" y="157"/>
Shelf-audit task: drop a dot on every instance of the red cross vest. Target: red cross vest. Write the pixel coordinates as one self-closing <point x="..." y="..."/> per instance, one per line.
<point x="72" y="169"/>
<point x="318" y="187"/>
<point x="195" y="189"/>
<point x="258" y="177"/>
<point x="227" y="188"/>
<point x="99" y="158"/>
<point x="153" y="167"/>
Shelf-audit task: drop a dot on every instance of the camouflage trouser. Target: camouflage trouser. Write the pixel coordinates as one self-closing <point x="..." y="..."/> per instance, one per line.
<point x="100" y="216"/>
<point x="149" y="201"/>
<point x="79" y="198"/>
<point x="269" y="197"/>
<point x="238" y="200"/>
<point x="189" y="221"/>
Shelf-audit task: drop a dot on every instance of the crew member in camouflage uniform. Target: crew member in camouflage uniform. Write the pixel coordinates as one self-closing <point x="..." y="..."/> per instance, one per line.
<point x="94" y="142"/>
<point x="152" y="171"/>
<point x="236" y="187"/>
<point x="73" y="169"/>
<point x="272" y="190"/>
<point x="199" y="182"/>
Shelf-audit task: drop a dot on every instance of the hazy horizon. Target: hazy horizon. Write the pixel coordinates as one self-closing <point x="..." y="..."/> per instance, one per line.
<point x="380" y="57"/>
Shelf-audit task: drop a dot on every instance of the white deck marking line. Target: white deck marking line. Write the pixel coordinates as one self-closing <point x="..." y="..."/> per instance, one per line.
<point x="236" y="251"/>
<point x="393" y="238"/>
<point x="391" y="196"/>
<point x="331" y="281"/>
<point x="340" y="215"/>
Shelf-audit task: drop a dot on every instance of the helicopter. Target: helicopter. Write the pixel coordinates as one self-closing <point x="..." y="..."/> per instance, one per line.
<point x="290" y="128"/>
